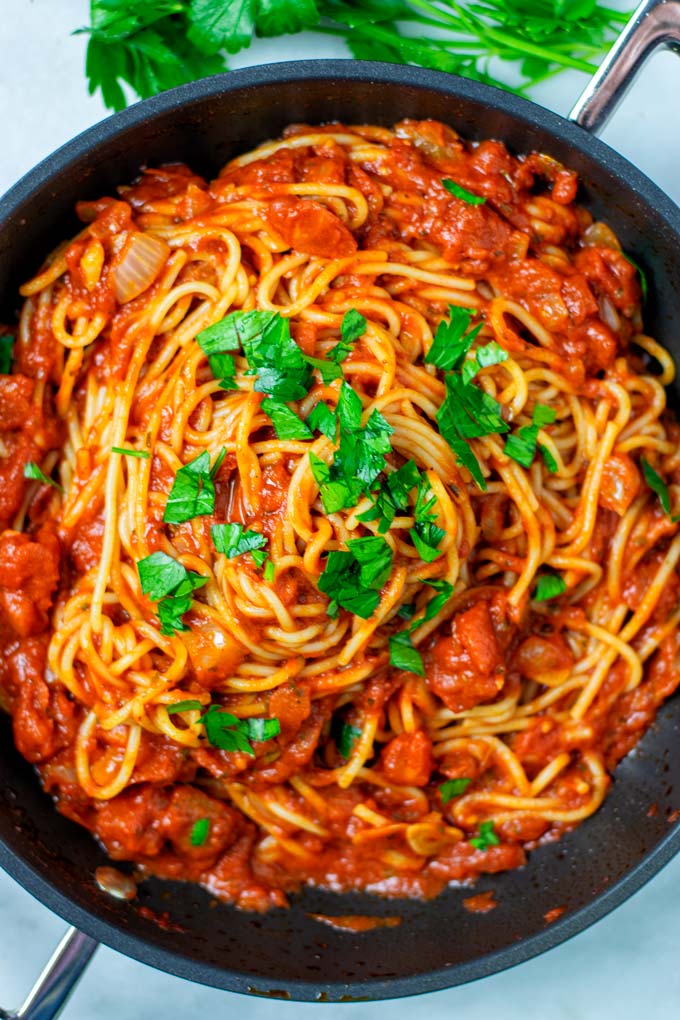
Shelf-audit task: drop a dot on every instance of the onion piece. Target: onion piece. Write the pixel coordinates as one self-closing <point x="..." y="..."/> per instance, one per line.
<point x="142" y="261"/>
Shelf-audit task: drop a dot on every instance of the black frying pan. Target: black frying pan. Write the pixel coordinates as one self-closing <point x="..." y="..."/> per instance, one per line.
<point x="439" y="944"/>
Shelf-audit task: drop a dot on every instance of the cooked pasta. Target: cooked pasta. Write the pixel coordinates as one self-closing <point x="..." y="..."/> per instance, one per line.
<point x="338" y="500"/>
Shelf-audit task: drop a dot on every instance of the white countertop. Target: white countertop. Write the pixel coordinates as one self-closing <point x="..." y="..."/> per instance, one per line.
<point x="626" y="966"/>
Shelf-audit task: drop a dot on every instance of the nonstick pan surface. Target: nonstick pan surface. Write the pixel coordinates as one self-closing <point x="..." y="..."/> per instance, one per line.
<point x="438" y="944"/>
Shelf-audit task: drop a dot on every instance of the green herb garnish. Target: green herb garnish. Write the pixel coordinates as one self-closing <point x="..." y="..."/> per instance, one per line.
<point x="486" y="838"/>
<point x="549" y="586"/>
<point x="353" y="579"/>
<point x="657" y="485"/>
<point x="199" y="832"/>
<point x="190" y="705"/>
<point x="509" y="43"/>
<point x="6" y="348"/>
<point x="233" y="539"/>
<point x="164" y="580"/>
<point x="228" y="733"/>
<point x="521" y="445"/>
<point x="193" y="492"/>
<point x="644" y="287"/>
<point x="31" y="470"/>
<point x="453" y="788"/>
<point x="287" y="424"/>
<point x="142" y="454"/>
<point x="452" y="339"/>
<point x="345" y="736"/>
<point x="460" y="192"/>
<point x="403" y="655"/>
<point x="323" y="419"/>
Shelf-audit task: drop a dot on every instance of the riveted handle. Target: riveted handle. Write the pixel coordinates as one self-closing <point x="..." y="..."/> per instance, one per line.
<point x="655" y="24"/>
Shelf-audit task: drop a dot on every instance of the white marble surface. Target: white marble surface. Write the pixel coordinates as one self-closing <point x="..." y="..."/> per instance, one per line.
<point x="624" y="967"/>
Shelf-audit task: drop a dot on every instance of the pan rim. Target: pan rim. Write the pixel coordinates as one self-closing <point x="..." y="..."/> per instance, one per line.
<point x="54" y="167"/>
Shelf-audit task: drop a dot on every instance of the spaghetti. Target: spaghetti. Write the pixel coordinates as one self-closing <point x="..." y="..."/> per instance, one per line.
<point x="337" y="495"/>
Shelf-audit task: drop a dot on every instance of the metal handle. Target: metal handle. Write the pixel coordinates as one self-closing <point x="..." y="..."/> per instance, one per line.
<point x="654" y="24"/>
<point x="53" y="988"/>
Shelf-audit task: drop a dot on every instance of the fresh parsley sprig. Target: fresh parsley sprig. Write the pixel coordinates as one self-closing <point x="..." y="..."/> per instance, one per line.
<point x="151" y="46"/>
<point x="166" y="581"/>
<point x="227" y="732"/>
<point x="353" y="578"/>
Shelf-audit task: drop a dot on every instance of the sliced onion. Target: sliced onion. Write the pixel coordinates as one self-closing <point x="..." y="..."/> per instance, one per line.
<point x="142" y="261"/>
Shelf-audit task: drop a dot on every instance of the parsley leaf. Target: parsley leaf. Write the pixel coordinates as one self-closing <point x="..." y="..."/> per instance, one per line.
<point x="352" y="328"/>
<point x="264" y="337"/>
<point x="460" y="192"/>
<point x="6" y="346"/>
<point x="190" y="705"/>
<point x="228" y="733"/>
<point x="142" y="454"/>
<point x="166" y="581"/>
<point x="548" y="458"/>
<point x="323" y="419"/>
<point x="345" y="736"/>
<point x="491" y="354"/>
<point x="549" y="586"/>
<point x="360" y="456"/>
<point x="287" y="424"/>
<point x="426" y="534"/>
<point x="199" y="832"/>
<point x="328" y="370"/>
<point x="453" y="788"/>
<point x="233" y="539"/>
<point x="269" y="572"/>
<point x="435" y="605"/>
<point x="217" y="26"/>
<point x="223" y="367"/>
<point x="353" y="579"/>
<point x="192" y="493"/>
<point x="31" y="470"/>
<point x="279" y="17"/>
<point x="486" y="838"/>
<point x="521" y="445"/>
<point x="403" y="655"/>
<point x="452" y="339"/>
<point x="657" y="485"/>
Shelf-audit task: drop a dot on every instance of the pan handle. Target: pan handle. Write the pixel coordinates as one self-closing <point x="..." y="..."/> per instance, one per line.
<point x="654" y="24"/>
<point x="53" y="988"/>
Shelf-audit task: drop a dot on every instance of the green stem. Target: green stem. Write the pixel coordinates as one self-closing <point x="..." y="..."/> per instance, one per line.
<point x="530" y="50"/>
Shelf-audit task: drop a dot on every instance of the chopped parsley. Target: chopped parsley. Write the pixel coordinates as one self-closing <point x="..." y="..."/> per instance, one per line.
<point x="199" y="832"/>
<point x="453" y="788"/>
<point x="360" y="456"/>
<point x="549" y="586"/>
<point x="6" y="346"/>
<point x="657" y="485"/>
<point x="486" y="838"/>
<point x="226" y="731"/>
<point x="223" y="367"/>
<point x="322" y="419"/>
<point x="189" y="705"/>
<point x="467" y="413"/>
<point x="460" y="192"/>
<point x="453" y="339"/>
<point x="229" y="733"/>
<point x="403" y="655"/>
<point x="269" y="572"/>
<point x="164" y="580"/>
<point x="548" y="458"/>
<point x="426" y="535"/>
<point x="345" y="736"/>
<point x="142" y="454"/>
<point x="490" y="354"/>
<point x="328" y="370"/>
<point x="287" y="424"/>
<point x="264" y="337"/>
<point x="393" y="497"/>
<point x="233" y="539"/>
<point x="521" y="445"/>
<point x="31" y="470"/>
<point x="353" y="579"/>
<point x="193" y="492"/>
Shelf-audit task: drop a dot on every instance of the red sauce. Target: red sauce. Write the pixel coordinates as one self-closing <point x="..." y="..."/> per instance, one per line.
<point x="479" y="656"/>
<point x="482" y="903"/>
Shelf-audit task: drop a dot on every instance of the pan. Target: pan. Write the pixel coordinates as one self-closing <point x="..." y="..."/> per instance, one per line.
<point x="286" y="953"/>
